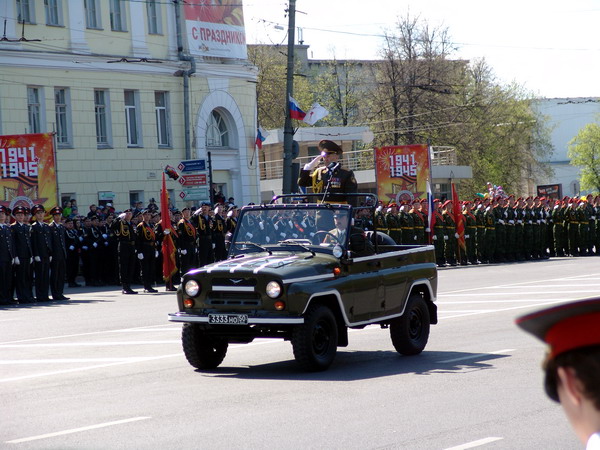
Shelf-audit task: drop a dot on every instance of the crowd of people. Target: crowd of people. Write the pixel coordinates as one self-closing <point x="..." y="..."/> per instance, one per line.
<point x="39" y="256"/>
<point x="497" y="228"/>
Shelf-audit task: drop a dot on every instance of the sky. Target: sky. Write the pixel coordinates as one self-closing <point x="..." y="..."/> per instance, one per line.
<point x="551" y="48"/>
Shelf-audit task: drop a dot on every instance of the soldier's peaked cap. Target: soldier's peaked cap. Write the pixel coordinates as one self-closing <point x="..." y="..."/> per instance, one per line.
<point x="56" y="210"/>
<point x="330" y="147"/>
<point x="4" y="209"/>
<point x="19" y="210"/>
<point x="37" y="208"/>
<point x="565" y="327"/>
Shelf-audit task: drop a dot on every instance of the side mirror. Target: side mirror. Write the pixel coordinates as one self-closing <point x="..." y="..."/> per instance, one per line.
<point x="347" y="258"/>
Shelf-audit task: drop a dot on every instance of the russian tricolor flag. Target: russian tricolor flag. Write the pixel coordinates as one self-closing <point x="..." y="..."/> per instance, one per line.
<point x="295" y="111"/>
<point x="261" y="136"/>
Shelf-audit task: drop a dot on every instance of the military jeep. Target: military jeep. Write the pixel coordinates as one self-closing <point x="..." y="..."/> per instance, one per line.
<point x="302" y="272"/>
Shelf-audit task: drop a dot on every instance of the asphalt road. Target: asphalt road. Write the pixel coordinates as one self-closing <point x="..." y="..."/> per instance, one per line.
<point x="106" y="371"/>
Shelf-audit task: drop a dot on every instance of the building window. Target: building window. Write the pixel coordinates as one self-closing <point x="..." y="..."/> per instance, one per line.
<point x="102" y="113"/>
<point x="117" y="15"/>
<point x="161" y="107"/>
<point x="92" y="14"/>
<point x="53" y="12"/>
<point x="34" y="109"/>
<point x="132" y="120"/>
<point x="63" y="116"/>
<point x="154" y="22"/>
<point x="25" y="11"/>
<point x="217" y="134"/>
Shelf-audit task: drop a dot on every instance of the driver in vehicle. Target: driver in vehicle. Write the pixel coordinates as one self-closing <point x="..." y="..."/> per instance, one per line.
<point x="359" y="244"/>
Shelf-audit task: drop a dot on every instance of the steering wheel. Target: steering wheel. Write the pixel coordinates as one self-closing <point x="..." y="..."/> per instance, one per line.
<point x="327" y="233"/>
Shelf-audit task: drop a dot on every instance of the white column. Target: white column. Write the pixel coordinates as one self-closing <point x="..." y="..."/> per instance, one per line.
<point x="138" y="17"/>
<point x="77" y="27"/>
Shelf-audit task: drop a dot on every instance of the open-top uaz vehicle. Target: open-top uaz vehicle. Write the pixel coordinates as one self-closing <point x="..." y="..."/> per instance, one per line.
<point x="302" y="272"/>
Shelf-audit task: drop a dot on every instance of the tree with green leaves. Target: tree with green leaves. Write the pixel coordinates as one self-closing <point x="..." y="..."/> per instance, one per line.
<point x="584" y="151"/>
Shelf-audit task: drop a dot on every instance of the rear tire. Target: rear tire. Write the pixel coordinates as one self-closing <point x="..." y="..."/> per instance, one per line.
<point x="202" y="351"/>
<point x="315" y="341"/>
<point x="410" y="331"/>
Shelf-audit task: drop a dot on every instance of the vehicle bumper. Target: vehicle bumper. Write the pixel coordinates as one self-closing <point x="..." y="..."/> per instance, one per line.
<point x="193" y="318"/>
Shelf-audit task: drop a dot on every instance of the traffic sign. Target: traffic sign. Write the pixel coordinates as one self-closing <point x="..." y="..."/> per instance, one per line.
<point x="195" y="193"/>
<point x="193" y="180"/>
<point x="192" y="165"/>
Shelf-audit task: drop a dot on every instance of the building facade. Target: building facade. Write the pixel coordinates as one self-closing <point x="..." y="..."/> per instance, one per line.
<point x="118" y="84"/>
<point x="566" y="117"/>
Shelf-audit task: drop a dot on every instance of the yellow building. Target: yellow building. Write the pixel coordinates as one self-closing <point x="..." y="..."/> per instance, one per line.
<point x="129" y="88"/>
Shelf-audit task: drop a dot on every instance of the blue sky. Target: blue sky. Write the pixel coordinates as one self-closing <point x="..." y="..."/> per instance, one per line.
<point x="550" y="47"/>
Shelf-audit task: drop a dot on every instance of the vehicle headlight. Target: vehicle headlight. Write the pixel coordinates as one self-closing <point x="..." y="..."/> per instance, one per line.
<point x="192" y="288"/>
<point x="338" y="251"/>
<point x="273" y="289"/>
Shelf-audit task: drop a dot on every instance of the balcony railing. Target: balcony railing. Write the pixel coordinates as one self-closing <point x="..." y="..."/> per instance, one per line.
<point x="355" y="160"/>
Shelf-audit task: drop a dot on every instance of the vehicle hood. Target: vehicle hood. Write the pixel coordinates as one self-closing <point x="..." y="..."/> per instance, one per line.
<point x="279" y="264"/>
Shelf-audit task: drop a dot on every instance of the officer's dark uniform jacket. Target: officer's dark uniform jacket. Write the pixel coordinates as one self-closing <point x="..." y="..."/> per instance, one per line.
<point x="7" y="253"/>
<point x="341" y="182"/>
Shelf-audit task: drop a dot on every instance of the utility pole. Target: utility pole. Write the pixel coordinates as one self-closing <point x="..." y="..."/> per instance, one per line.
<point x="288" y="130"/>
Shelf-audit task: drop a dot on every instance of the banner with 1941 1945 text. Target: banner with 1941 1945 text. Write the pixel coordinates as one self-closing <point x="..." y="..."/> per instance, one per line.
<point x="27" y="170"/>
<point x="402" y="172"/>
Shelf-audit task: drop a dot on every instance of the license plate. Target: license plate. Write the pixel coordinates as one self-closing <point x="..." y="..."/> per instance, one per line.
<point x="228" y="319"/>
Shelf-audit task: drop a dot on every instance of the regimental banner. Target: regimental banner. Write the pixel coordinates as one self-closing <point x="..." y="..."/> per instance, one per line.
<point x="216" y="28"/>
<point x="552" y="191"/>
<point x="27" y="170"/>
<point x="402" y="172"/>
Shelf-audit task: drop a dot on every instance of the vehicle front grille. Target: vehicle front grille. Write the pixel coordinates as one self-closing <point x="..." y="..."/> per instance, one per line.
<point x="234" y="282"/>
<point x="250" y="299"/>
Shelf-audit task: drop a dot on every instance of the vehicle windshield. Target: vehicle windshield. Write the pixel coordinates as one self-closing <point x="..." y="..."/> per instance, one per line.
<point x="291" y="228"/>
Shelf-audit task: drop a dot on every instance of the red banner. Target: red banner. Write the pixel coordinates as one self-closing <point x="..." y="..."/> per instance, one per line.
<point x="459" y="220"/>
<point x="216" y="28"/>
<point x="27" y="170"/>
<point x="168" y="245"/>
<point x="402" y="172"/>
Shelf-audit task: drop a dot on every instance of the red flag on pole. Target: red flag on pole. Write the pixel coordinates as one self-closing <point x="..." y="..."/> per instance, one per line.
<point x="168" y="246"/>
<point x="459" y="219"/>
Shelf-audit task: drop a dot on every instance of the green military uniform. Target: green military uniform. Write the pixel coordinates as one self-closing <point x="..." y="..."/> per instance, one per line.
<point x="558" y="230"/>
<point x="490" y="235"/>
<point x="450" y="238"/>
<point x="500" y="248"/>
<point x="419" y="220"/>
<point x="392" y="224"/>
<point x="470" y="237"/>
<point x="408" y="227"/>
<point x="439" y="233"/>
<point x="572" y="224"/>
<point x="480" y="218"/>
<point x="511" y="238"/>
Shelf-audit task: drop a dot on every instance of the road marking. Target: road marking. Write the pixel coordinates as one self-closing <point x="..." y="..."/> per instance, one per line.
<point x="473" y="444"/>
<point x="76" y="430"/>
<point x="81" y="369"/>
<point x="122" y="330"/>
<point x="579" y="285"/>
<point x="477" y="355"/>
<point x="550" y="281"/>
<point x="490" y="294"/>
<point x="486" y="301"/>
<point x="73" y="360"/>
<point x="485" y="311"/>
<point x="90" y="344"/>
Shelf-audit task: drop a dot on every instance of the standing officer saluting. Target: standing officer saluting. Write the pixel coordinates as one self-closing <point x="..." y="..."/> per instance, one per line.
<point x="330" y="178"/>
<point x="42" y="253"/>
<point x="125" y="234"/>
<point x="186" y="242"/>
<point x="146" y="250"/>
<point x="7" y="253"/>
<point x="23" y="255"/>
<point x="58" y="265"/>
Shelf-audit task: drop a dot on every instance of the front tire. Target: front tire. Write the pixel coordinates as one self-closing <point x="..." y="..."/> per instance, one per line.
<point x="315" y="341"/>
<point x="410" y="331"/>
<point x="202" y="351"/>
